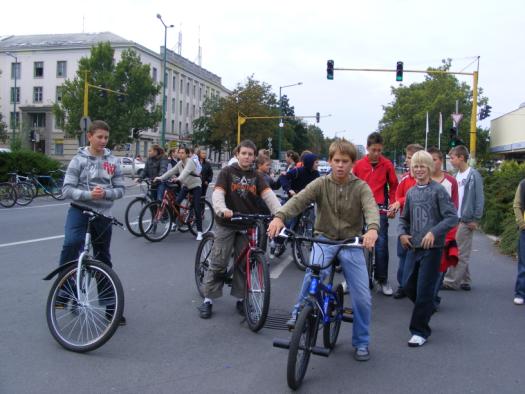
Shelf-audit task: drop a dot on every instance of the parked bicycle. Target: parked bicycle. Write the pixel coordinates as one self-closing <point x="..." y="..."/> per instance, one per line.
<point x="8" y="196"/>
<point x="158" y="218"/>
<point x="24" y="188"/>
<point x="323" y="307"/>
<point x="253" y="263"/>
<point x="86" y="301"/>
<point x="47" y="184"/>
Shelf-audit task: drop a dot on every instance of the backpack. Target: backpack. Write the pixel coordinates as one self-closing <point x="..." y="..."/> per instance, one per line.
<point x="198" y="165"/>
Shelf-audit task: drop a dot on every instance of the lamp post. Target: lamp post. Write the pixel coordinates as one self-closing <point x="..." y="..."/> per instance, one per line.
<point x="163" y="130"/>
<point x="14" y="93"/>
<point x="281" y="124"/>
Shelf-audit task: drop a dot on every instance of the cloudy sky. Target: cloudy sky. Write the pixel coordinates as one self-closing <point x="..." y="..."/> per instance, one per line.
<point x="284" y="42"/>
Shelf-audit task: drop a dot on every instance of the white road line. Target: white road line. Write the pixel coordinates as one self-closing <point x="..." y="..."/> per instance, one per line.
<point x="278" y="269"/>
<point x="29" y="241"/>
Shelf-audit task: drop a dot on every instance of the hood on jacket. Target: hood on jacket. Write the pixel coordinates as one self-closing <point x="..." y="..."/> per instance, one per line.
<point x="309" y="160"/>
<point x="86" y="153"/>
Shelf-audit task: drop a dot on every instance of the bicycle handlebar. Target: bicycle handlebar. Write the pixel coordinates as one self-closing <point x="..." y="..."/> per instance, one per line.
<point x="237" y="216"/>
<point x="95" y="213"/>
<point x="356" y="242"/>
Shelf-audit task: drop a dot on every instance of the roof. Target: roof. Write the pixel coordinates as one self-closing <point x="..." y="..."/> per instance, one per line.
<point x="48" y="41"/>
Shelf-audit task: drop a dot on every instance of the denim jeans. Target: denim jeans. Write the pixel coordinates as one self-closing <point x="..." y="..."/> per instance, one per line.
<point x="75" y="233"/>
<point x="196" y="195"/>
<point x="353" y="263"/>
<point x="520" y="280"/>
<point x="381" y="273"/>
<point x="402" y="255"/>
<point x="423" y="268"/>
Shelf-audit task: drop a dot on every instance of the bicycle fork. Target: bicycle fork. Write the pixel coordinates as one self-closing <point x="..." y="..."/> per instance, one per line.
<point x="81" y="297"/>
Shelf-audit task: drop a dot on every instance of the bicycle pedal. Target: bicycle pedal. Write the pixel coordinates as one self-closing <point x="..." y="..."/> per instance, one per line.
<point x="320" y="351"/>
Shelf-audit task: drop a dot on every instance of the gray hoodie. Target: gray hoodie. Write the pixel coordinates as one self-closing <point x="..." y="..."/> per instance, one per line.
<point x="473" y="198"/>
<point x="86" y="171"/>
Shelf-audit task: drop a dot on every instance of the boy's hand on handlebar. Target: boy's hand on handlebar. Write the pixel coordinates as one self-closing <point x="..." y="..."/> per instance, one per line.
<point x="157" y="179"/>
<point x="275" y="227"/>
<point x="227" y="213"/>
<point x="370" y="238"/>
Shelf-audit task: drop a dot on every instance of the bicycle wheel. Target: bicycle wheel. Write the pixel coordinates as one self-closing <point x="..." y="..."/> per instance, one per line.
<point x="132" y="215"/>
<point x="155" y="221"/>
<point x="182" y="225"/>
<point x="202" y="260"/>
<point x="207" y="215"/>
<point x="7" y="195"/>
<point x="331" y="330"/>
<point x="303" y="249"/>
<point x="370" y="267"/>
<point x="24" y="193"/>
<point x="257" y="292"/>
<point x="85" y="321"/>
<point x="55" y="190"/>
<point x="303" y="339"/>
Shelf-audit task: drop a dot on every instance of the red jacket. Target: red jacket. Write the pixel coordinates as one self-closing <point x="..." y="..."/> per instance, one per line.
<point x="406" y="182"/>
<point x="378" y="177"/>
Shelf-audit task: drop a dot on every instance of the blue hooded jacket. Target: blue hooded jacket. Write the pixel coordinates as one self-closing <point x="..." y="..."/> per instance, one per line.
<point x="297" y="178"/>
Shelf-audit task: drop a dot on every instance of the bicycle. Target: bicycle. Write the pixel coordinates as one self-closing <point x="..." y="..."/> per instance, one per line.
<point x="24" y="189"/>
<point x="8" y="196"/>
<point x="256" y="268"/>
<point x="135" y="207"/>
<point x="47" y="184"/>
<point x="157" y="217"/>
<point x="86" y="301"/>
<point x="324" y="306"/>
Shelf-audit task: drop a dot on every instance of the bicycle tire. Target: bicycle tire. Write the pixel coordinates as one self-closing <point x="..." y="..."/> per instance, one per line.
<point x="208" y="218"/>
<point x="183" y="226"/>
<point x="132" y="215"/>
<point x="202" y="260"/>
<point x="257" y="291"/>
<point x="303" y="339"/>
<point x="82" y="324"/>
<point x="302" y="249"/>
<point x="7" y="195"/>
<point x="153" y="216"/>
<point x="24" y="193"/>
<point x="331" y="330"/>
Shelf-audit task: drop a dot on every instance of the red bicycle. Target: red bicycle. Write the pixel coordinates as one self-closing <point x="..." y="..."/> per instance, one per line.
<point x="253" y="264"/>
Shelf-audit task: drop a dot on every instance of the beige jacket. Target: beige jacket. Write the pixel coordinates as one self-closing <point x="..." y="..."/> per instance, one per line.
<point x="518" y="213"/>
<point x="341" y="208"/>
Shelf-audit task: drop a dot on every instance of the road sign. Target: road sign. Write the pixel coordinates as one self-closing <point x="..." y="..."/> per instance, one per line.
<point x="456" y="118"/>
<point x="85" y="121"/>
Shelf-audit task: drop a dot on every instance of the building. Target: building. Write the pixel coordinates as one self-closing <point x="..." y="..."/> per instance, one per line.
<point x="507" y="135"/>
<point x="34" y="67"/>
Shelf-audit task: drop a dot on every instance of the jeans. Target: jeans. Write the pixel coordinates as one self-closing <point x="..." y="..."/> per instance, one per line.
<point x="196" y="194"/>
<point x="75" y="234"/>
<point x="402" y="254"/>
<point x="423" y="268"/>
<point x="353" y="263"/>
<point x="439" y="283"/>
<point x="520" y="280"/>
<point x="381" y="248"/>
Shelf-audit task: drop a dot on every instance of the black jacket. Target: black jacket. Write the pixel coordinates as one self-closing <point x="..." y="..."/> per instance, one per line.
<point x="206" y="172"/>
<point x="155" y="166"/>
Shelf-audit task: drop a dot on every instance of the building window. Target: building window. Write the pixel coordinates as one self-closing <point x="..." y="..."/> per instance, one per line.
<point x="59" y="148"/>
<point x="38" y="92"/>
<point x="181" y="86"/>
<point x="187" y="109"/>
<point x="59" y="122"/>
<point x="172" y="126"/>
<point x="187" y="89"/>
<point x="17" y="92"/>
<point x="180" y="127"/>
<point x="187" y="128"/>
<point x="38" y="120"/>
<point x="193" y="111"/>
<point x="12" y="120"/>
<point x="61" y="69"/>
<point x="180" y="108"/>
<point x="15" y="70"/>
<point x="174" y="86"/>
<point x="172" y="105"/>
<point x="194" y="91"/>
<point x="200" y="93"/>
<point x="154" y="74"/>
<point x="39" y="69"/>
<point x="60" y="92"/>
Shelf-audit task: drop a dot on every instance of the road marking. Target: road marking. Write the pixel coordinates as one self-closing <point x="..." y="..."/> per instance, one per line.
<point x="278" y="269"/>
<point x="29" y="241"/>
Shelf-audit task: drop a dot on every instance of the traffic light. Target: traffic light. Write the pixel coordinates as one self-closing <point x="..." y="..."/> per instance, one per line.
<point x="484" y="112"/>
<point x="399" y="71"/>
<point x="487" y="110"/>
<point x="317" y="117"/>
<point x="454" y="140"/>
<point x="330" y="69"/>
<point x="136" y="133"/>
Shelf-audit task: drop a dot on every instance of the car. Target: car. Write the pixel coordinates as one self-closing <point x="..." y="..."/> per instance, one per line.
<point x="126" y="165"/>
<point x="323" y="167"/>
<point x="5" y="150"/>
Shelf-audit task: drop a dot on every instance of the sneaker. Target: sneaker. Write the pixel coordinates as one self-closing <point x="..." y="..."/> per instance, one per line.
<point x="386" y="289"/>
<point x="205" y="310"/>
<point x="199" y="236"/>
<point x="362" y="354"/>
<point x="400" y="293"/>
<point x="290" y="323"/>
<point x="240" y="307"/>
<point x="465" y="286"/>
<point x="518" y="300"/>
<point x="416" y="341"/>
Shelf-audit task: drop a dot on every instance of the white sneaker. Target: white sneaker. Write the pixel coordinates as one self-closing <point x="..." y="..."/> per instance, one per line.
<point x="199" y="236"/>
<point x="518" y="300"/>
<point x="416" y="341"/>
<point x="386" y="289"/>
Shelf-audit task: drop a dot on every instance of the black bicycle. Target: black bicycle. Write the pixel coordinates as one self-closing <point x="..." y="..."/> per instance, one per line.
<point x="86" y="301"/>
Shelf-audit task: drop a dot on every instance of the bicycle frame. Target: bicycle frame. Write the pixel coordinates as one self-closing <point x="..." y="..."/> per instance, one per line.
<point x="168" y="201"/>
<point x="252" y="234"/>
<point x="323" y="294"/>
<point x="83" y="254"/>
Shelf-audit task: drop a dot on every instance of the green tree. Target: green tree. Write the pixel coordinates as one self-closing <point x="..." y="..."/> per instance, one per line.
<point x="404" y="120"/>
<point x="3" y="130"/>
<point x="135" y="108"/>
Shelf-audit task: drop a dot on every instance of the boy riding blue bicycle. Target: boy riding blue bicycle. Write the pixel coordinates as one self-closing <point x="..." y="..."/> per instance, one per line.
<point x="342" y="201"/>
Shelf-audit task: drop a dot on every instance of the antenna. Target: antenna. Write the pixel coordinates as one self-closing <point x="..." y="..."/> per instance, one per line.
<point x="179" y="44"/>
<point x="199" y="56"/>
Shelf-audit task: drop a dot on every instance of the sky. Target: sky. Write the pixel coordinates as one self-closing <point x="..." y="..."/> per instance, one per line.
<point x="285" y="42"/>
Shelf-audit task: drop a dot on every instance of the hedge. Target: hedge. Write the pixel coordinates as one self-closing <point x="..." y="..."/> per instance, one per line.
<point x="25" y="161"/>
<point x="500" y="188"/>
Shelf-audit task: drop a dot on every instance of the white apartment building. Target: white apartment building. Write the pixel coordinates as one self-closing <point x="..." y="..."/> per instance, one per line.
<point x="39" y="64"/>
<point x="507" y="134"/>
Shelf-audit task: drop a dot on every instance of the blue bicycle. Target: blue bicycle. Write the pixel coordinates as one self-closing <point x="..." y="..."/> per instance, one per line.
<point x="324" y="306"/>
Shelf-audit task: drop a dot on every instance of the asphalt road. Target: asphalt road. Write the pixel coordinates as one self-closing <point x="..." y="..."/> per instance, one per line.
<point x="167" y="348"/>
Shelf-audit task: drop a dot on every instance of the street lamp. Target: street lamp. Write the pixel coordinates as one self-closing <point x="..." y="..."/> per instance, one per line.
<point x="163" y="130"/>
<point x="14" y="94"/>
<point x="281" y="124"/>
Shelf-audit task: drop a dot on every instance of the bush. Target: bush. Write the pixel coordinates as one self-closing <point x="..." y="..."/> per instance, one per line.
<point x="24" y="161"/>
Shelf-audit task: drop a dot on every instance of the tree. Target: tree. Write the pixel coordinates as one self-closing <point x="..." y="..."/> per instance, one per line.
<point x="3" y="130"/>
<point x="404" y="119"/>
<point x="135" y="108"/>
